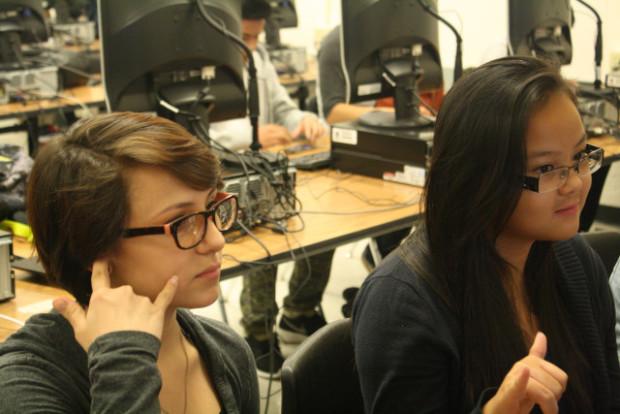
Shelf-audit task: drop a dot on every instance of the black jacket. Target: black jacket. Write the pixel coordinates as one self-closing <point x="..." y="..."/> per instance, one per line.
<point x="406" y="339"/>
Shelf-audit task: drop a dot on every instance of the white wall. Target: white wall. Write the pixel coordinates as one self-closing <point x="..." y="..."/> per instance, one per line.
<point x="484" y="27"/>
<point x="316" y="18"/>
<point x="584" y="35"/>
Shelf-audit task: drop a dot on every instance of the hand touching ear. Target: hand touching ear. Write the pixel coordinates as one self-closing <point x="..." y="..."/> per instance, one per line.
<point x="115" y="309"/>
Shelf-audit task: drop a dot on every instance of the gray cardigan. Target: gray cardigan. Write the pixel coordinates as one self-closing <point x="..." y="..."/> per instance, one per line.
<point x="44" y="370"/>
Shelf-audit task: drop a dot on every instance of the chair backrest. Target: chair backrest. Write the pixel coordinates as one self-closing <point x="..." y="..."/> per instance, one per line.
<point x="607" y="245"/>
<point x="321" y="377"/>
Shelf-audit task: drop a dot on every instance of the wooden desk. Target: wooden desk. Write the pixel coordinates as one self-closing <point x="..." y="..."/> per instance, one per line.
<point x="30" y="298"/>
<point x="70" y="99"/>
<point x="333" y="216"/>
<point x="87" y="95"/>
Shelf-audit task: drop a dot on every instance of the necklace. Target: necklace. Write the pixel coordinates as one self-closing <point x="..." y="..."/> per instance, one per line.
<point x="186" y="374"/>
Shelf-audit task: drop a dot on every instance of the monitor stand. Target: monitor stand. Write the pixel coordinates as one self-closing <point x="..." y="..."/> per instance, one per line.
<point x="387" y="120"/>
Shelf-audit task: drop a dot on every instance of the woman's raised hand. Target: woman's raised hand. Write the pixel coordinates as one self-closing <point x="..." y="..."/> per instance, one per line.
<point x="531" y="381"/>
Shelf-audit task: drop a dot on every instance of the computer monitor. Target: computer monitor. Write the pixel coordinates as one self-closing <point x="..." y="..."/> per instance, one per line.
<point x="283" y="15"/>
<point x="163" y="56"/>
<point x="29" y="16"/>
<point x="68" y="11"/>
<point x="21" y="21"/>
<point x="396" y="59"/>
<point x="542" y="29"/>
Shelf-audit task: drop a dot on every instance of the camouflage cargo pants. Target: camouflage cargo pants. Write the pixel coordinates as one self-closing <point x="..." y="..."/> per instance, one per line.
<point x="306" y="287"/>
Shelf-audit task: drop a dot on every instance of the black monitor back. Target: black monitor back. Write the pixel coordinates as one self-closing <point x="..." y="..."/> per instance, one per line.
<point x="159" y="48"/>
<point x="371" y="25"/>
<point x="283" y="13"/>
<point x="525" y="16"/>
<point x="68" y="11"/>
<point x="29" y="16"/>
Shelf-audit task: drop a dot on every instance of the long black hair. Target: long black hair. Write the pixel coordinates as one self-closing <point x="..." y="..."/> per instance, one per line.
<point x="473" y="186"/>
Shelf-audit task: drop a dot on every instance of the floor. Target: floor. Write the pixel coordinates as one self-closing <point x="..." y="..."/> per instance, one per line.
<point x="347" y="270"/>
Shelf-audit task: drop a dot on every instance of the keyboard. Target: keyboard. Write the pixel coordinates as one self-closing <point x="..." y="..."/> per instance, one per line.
<point x="312" y="161"/>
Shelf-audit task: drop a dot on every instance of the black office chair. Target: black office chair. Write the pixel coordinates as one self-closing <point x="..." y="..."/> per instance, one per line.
<point x="607" y="245"/>
<point x="321" y="377"/>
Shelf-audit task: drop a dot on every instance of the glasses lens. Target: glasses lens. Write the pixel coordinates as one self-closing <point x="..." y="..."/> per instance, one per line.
<point x="191" y="230"/>
<point x="225" y="214"/>
<point x="595" y="160"/>
<point x="552" y="180"/>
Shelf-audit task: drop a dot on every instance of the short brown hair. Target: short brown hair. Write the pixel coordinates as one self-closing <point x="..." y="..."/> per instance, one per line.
<point x="77" y="191"/>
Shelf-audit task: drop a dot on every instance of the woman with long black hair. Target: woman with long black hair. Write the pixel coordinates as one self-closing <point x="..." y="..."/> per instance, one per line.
<point x="494" y="304"/>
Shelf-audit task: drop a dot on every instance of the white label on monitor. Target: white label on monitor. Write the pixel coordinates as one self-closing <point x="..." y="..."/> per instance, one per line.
<point x="344" y="136"/>
<point x="369" y="89"/>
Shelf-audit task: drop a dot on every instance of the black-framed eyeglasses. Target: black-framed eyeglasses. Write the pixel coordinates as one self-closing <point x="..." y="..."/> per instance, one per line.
<point x="188" y="231"/>
<point x="589" y="162"/>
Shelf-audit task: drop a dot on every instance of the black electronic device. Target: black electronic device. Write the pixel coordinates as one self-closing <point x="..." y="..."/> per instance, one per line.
<point x="285" y="58"/>
<point x="262" y="197"/>
<point x="283" y="15"/>
<point x="21" y="22"/>
<point x="162" y="55"/>
<point x="393" y="155"/>
<point x="29" y="16"/>
<point x="68" y="11"/>
<point x="390" y="60"/>
<point x="384" y="61"/>
<point x="313" y="161"/>
<point x="542" y="29"/>
<point x="300" y="147"/>
<point x="71" y="21"/>
<point x="7" y="276"/>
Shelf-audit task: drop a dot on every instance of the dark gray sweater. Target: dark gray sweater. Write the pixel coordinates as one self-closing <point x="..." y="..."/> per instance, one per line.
<point x="44" y="370"/>
<point x="407" y="341"/>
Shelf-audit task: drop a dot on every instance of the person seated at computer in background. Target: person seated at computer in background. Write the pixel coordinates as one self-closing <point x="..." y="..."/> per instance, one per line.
<point x="331" y="99"/>
<point x="614" y="282"/>
<point x="127" y="217"/>
<point x="280" y="122"/>
<point x="495" y="304"/>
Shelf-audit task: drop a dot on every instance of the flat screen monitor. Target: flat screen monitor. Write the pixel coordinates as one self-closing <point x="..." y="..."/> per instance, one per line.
<point x="392" y="59"/>
<point x="541" y="28"/>
<point x="160" y="54"/>
<point x="29" y="17"/>
<point x="68" y="11"/>
<point x="21" y="21"/>
<point x="283" y="16"/>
